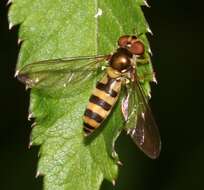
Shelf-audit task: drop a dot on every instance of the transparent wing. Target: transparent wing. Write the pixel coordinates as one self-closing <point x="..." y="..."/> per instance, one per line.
<point x="140" y="122"/>
<point x="59" y="73"/>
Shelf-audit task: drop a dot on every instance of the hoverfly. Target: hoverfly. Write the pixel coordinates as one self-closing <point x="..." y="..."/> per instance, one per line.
<point x="121" y="71"/>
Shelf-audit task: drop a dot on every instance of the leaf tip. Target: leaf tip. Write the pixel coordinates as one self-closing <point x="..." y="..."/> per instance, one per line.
<point x="30" y="116"/>
<point x="146" y="4"/>
<point x="38" y="174"/>
<point x="19" y="41"/>
<point x="150" y="51"/>
<point x="16" y="73"/>
<point x="149" y="30"/>
<point x="119" y="163"/>
<point x="11" y="25"/>
<point x="154" y="79"/>
<point x="30" y="144"/>
<point x="8" y="2"/>
<point x="33" y="125"/>
<point x="114" y="154"/>
<point x="113" y="182"/>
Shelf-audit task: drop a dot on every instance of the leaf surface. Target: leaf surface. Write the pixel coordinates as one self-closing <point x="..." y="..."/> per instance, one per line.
<point x="53" y="29"/>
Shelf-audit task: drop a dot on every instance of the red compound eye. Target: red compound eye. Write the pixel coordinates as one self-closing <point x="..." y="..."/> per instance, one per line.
<point x="123" y="41"/>
<point x="137" y="48"/>
<point x="131" y="43"/>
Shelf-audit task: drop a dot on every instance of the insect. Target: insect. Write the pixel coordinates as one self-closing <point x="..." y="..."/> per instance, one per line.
<point x="121" y="71"/>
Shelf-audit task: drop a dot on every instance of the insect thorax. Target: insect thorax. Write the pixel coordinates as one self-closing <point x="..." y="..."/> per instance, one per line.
<point x="121" y="60"/>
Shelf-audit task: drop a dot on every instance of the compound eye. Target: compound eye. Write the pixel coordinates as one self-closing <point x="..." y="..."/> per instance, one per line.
<point x="137" y="48"/>
<point x="124" y="41"/>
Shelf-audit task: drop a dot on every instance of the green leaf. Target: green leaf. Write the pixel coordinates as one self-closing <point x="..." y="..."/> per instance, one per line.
<point x="64" y="28"/>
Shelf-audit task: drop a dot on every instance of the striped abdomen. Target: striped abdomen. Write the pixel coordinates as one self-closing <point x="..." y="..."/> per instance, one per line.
<point x="101" y="103"/>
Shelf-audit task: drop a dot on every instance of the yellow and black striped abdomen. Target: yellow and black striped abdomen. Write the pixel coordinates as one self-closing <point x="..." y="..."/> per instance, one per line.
<point x="101" y="103"/>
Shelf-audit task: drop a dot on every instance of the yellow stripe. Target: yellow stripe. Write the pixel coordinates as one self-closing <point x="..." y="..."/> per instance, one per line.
<point x="97" y="109"/>
<point x="91" y="122"/>
<point x="104" y="96"/>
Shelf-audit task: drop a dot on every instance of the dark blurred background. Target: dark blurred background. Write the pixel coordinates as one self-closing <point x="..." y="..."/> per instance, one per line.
<point x="177" y="104"/>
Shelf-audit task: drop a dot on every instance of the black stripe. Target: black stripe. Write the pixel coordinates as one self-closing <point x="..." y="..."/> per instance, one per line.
<point x="86" y="131"/>
<point x="87" y="126"/>
<point x="93" y="115"/>
<point x="106" y="88"/>
<point x="98" y="101"/>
